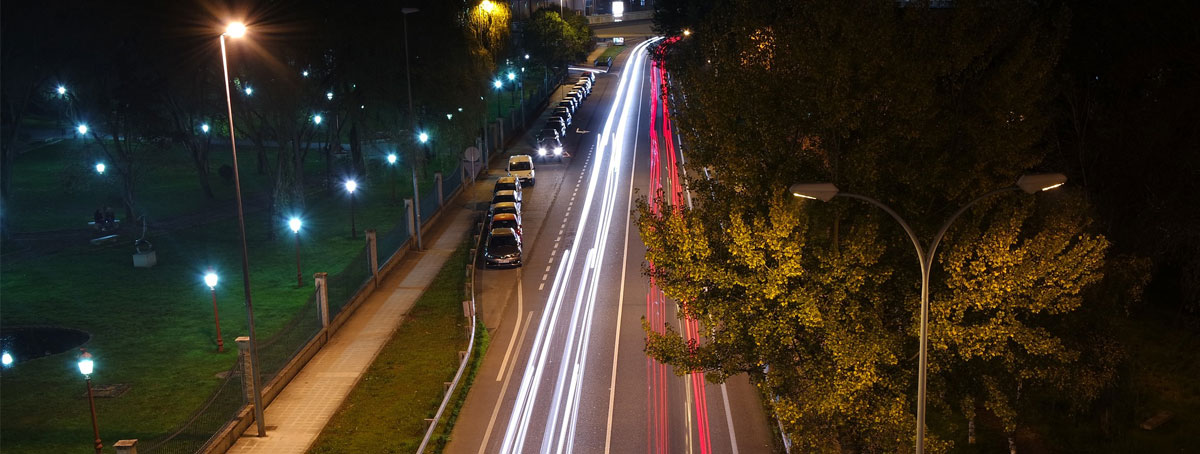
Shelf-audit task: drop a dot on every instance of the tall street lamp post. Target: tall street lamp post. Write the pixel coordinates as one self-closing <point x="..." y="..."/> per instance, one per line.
<point x="391" y="159"/>
<point x="85" y="367"/>
<point x="210" y="279"/>
<point x="238" y="30"/>
<point x="351" y="186"/>
<point x="412" y="116"/>
<point x="294" y="224"/>
<point x="497" y="84"/>
<point x="826" y="191"/>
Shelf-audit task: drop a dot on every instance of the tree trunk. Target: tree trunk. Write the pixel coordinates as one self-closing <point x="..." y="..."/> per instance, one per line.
<point x="1012" y="443"/>
<point x="971" y="431"/>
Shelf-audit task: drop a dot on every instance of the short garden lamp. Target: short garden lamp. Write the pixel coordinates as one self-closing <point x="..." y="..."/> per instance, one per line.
<point x="294" y="224"/>
<point x="210" y="279"/>
<point x="204" y="127"/>
<point x="511" y="76"/>
<point x="6" y="359"/>
<point x="61" y="90"/>
<point x="100" y="168"/>
<point x="351" y="186"/>
<point x="86" y="365"/>
<point x="82" y="129"/>
<point x="391" y="160"/>
<point x="317" y="119"/>
<point x="423" y="137"/>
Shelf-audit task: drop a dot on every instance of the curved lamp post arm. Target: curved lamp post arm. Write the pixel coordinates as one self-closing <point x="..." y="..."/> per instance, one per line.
<point x="912" y="235"/>
<point x="937" y="239"/>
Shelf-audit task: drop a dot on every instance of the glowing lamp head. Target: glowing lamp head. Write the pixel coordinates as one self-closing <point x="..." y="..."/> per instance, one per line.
<point x="6" y="359"/>
<point x="235" y="30"/>
<point x="351" y="185"/>
<point x="814" y="191"/>
<point x="100" y="168"/>
<point x="496" y="83"/>
<point x="511" y="76"/>
<point x="86" y="365"/>
<point x="204" y="127"/>
<point x="317" y="119"/>
<point x="488" y="6"/>
<point x="391" y="158"/>
<point x="449" y="117"/>
<point x="294" y="224"/>
<point x="210" y="279"/>
<point x="61" y="90"/>
<point x="1041" y="182"/>
<point x="526" y="56"/>
<point x="83" y="129"/>
<point x="423" y="137"/>
<point x="329" y="95"/>
<point x="687" y="32"/>
<point x="249" y="91"/>
<point x="305" y="73"/>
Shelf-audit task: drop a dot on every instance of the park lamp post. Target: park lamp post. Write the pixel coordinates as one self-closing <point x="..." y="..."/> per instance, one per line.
<point x="82" y="129"/>
<point x="825" y="192"/>
<point x="86" y="365"/>
<point x="100" y="168"/>
<point x="391" y="160"/>
<point x="511" y="78"/>
<point x="294" y="224"/>
<point x="351" y="186"/>
<point x="238" y="30"/>
<point x="497" y="84"/>
<point x="210" y="279"/>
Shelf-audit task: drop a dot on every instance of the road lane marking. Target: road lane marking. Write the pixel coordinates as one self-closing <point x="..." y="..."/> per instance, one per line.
<point x="729" y="419"/>
<point x="544" y="276"/>
<point x="500" y="399"/>
<point x="520" y="309"/>
<point x="541" y="286"/>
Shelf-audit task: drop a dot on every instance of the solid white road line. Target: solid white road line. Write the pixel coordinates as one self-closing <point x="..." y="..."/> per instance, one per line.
<point x="487" y="434"/>
<point x="513" y="340"/>
<point x="729" y="419"/>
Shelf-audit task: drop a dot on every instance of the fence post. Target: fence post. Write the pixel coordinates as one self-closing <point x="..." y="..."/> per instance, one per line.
<point x="126" y="446"/>
<point x="408" y="211"/>
<point x="372" y="255"/>
<point x="322" y="297"/>
<point x="248" y="372"/>
<point x="437" y="183"/>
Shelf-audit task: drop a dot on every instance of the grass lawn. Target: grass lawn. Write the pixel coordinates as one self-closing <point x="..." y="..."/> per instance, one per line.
<point x="612" y="51"/>
<point x="152" y="328"/>
<point x="386" y="410"/>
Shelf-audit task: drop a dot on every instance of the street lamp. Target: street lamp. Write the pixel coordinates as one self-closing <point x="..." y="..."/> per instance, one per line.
<point x="412" y="116"/>
<point x="249" y="91"/>
<point x="100" y="168"/>
<point x="294" y="224"/>
<point x="317" y="119"/>
<point x="488" y="6"/>
<point x="391" y="160"/>
<point x="85" y="367"/>
<point x="827" y="191"/>
<point x="497" y="84"/>
<point x="204" y="127"/>
<point x="82" y="128"/>
<point x="237" y="30"/>
<point x="210" y="279"/>
<point x="61" y="90"/>
<point x="352" y="185"/>
<point x="329" y="95"/>
<point x="687" y="32"/>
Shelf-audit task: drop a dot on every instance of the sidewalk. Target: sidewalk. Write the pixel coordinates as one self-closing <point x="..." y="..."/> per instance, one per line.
<point x="305" y="406"/>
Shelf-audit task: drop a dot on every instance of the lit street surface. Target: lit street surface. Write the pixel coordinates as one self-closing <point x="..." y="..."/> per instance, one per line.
<point x="565" y="369"/>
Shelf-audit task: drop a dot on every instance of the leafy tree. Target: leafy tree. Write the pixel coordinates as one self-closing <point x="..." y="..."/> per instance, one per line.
<point x="556" y="40"/>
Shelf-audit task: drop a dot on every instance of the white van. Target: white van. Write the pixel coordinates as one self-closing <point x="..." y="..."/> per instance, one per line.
<point x="521" y="167"/>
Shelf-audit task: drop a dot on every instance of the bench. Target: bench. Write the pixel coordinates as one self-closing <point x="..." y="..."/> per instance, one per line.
<point x="108" y="239"/>
<point x="116" y="223"/>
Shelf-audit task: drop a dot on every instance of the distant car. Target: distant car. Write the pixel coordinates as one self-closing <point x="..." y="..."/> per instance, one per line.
<point x="557" y="124"/>
<point x="563" y="113"/>
<point x="503" y="207"/>
<point x="507" y="221"/>
<point x="503" y="248"/>
<point x="546" y="133"/>
<point x="506" y="184"/>
<point x="549" y="146"/>
<point x="604" y="61"/>
<point x="521" y="167"/>
<point x="591" y="77"/>
<point x="507" y="196"/>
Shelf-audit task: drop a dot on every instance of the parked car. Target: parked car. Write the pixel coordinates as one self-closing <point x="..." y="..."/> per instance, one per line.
<point x="503" y="207"/>
<point x="591" y="77"/>
<point x="506" y="184"/>
<point x="563" y="113"/>
<point x="503" y="248"/>
<point x="575" y="94"/>
<point x="582" y="87"/>
<point x="549" y="146"/>
<point x="507" y="221"/>
<point x="604" y="61"/>
<point x="521" y="167"/>
<point x="568" y="103"/>
<point x="585" y="80"/>
<point x="557" y="124"/>
<point x="507" y="196"/>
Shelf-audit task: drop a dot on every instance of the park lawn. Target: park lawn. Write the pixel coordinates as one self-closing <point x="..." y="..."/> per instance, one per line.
<point x="612" y="51"/>
<point x="386" y="410"/>
<point x="152" y="328"/>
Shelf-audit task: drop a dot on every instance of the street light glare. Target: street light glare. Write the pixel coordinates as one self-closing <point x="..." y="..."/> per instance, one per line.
<point x="423" y="137"/>
<point x="526" y="56"/>
<point x="391" y="158"/>
<point x="249" y="91"/>
<point x="317" y="119"/>
<point x="100" y="167"/>
<point x="329" y="95"/>
<point x="86" y="365"/>
<point x="351" y="185"/>
<point x="204" y="127"/>
<point x="210" y="280"/>
<point x="294" y="224"/>
<point x="61" y="90"/>
<point x="1041" y="182"/>
<point x="83" y="129"/>
<point x="496" y="83"/>
<point x="488" y="6"/>
<point x="235" y="30"/>
<point x="6" y="359"/>
<point x="511" y="76"/>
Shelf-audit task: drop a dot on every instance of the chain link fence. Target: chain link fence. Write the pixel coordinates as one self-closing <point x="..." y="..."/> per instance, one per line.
<point x="192" y="435"/>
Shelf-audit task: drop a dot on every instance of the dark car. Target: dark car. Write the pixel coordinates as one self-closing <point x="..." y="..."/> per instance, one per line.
<point x="548" y="147"/>
<point x="557" y="124"/>
<point x="568" y="103"/>
<point x="604" y="61"/>
<point x="503" y="248"/>
<point x="563" y="113"/>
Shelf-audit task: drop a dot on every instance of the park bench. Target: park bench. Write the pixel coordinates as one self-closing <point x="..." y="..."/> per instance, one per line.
<point x="116" y="224"/>
<point x="107" y="239"/>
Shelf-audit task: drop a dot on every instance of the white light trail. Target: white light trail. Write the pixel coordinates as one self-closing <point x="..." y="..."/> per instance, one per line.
<point x="562" y="413"/>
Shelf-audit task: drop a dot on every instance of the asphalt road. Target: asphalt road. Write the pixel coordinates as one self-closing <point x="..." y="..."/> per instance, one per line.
<point x="565" y="370"/>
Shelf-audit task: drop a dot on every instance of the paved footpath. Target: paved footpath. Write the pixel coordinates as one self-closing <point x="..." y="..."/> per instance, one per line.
<point x="299" y="413"/>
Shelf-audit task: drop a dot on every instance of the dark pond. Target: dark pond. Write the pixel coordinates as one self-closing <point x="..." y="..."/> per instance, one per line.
<point x="30" y="342"/>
